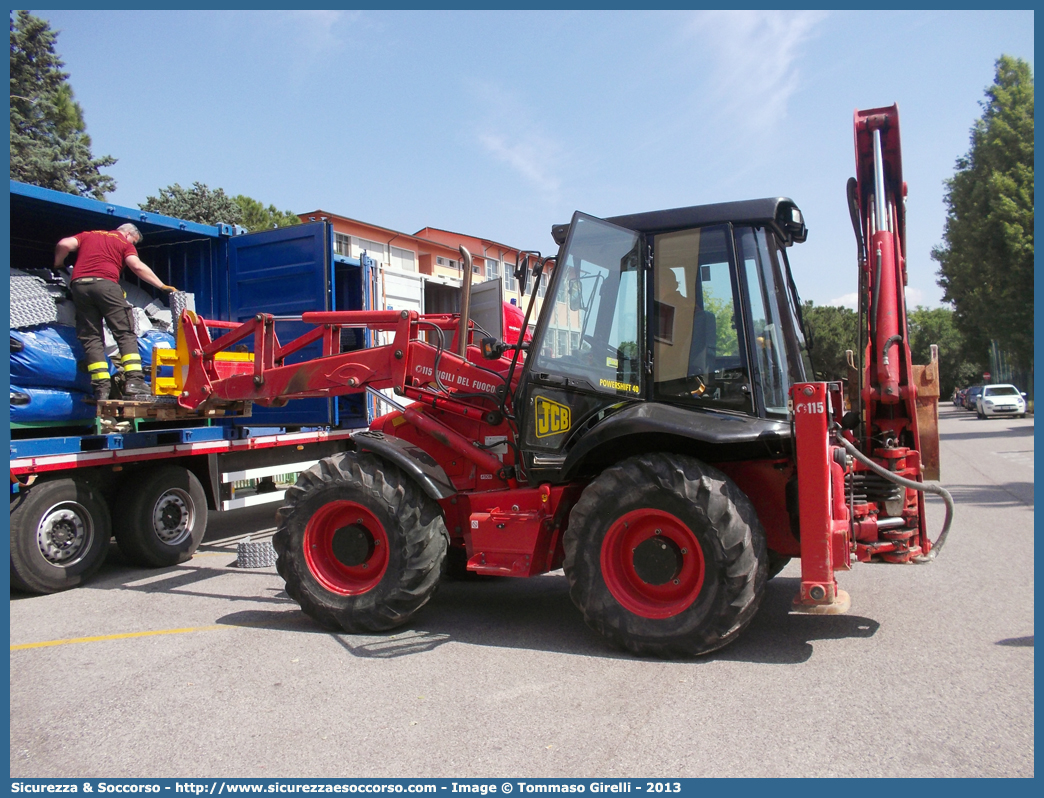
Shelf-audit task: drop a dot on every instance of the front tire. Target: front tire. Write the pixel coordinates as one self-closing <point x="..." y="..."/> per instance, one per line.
<point x="162" y="518"/>
<point x="665" y="556"/>
<point x="360" y="545"/>
<point x="60" y="531"/>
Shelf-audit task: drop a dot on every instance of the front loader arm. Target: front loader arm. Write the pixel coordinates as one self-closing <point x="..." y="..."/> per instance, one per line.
<point x="265" y="379"/>
<point x="435" y="378"/>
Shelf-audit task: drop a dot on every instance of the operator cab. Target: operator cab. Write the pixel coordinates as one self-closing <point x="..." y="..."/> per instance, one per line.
<point x="679" y="310"/>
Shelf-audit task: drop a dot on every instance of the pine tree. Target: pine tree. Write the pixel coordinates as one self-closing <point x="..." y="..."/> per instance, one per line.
<point x="257" y="217"/>
<point x="49" y="143"/>
<point x="196" y="204"/>
<point x="206" y="206"/>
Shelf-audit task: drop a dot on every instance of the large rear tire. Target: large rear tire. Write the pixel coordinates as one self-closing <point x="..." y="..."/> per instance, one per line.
<point x="162" y="518"/>
<point x="360" y="545"/>
<point x="60" y="531"/>
<point x="665" y="556"/>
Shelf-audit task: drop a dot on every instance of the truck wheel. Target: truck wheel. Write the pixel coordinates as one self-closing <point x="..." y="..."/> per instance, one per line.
<point x="162" y="517"/>
<point x="360" y="545"/>
<point x="60" y="531"/>
<point x="665" y="556"/>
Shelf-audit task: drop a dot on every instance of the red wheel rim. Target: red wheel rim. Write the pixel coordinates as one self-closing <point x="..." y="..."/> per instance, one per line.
<point x="652" y="563"/>
<point x="346" y="548"/>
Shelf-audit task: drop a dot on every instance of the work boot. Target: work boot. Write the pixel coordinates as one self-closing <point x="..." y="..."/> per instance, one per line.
<point x="101" y="388"/>
<point x="134" y="387"/>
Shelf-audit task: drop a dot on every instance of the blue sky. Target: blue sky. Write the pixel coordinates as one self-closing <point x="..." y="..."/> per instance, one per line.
<point x="500" y="124"/>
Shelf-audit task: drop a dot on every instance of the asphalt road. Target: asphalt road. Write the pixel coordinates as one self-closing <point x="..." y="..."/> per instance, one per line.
<point x="206" y="670"/>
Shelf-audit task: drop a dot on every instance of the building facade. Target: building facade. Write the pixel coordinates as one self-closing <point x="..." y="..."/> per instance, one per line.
<point x="423" y="270"/>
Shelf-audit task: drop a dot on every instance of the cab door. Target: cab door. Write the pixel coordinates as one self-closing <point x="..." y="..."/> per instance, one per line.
<point x="589" y="348"/>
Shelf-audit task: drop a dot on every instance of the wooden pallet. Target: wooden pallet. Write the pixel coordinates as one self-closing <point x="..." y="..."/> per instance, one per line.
<point x="167" y="410"/>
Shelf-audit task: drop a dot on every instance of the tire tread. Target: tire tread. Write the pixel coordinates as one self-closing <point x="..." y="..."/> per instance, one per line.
<point x="422" y="537"/>
<point x="718" y="504"/>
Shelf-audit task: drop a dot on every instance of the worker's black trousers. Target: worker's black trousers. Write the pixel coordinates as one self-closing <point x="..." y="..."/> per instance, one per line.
<point x="97" y="298"/>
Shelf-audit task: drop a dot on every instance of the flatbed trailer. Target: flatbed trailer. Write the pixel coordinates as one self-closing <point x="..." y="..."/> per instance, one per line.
<point x="219" y="463"/>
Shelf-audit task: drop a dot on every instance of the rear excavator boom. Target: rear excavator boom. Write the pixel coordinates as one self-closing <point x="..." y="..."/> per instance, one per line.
<point x="873" y="460"/>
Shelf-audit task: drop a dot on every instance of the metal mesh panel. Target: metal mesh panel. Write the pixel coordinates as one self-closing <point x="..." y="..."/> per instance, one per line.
<point x="255" y="554"/>
<point x="182" y="300"/>
<point x="31" y="303"/>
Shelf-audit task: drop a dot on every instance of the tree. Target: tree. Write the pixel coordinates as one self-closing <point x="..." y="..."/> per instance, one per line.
<point x="833" y="331"/>
<point x="196" y="204"/>
<point x="986" y="259"/>
<point x="201" y="204"/>
<point x="936" y="326"/>
<point x="726" y="341"/>
<point x="49" y="143"/>
<point x="257" y="217"/>
<point x="836" y="329"/>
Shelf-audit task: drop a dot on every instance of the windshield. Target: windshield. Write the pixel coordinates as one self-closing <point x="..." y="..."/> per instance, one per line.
<point x="1001" y="390"/>
<point x="592" y="327"/>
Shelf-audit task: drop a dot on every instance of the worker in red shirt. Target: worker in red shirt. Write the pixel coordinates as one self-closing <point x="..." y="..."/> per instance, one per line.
<point x="95" y="288"/>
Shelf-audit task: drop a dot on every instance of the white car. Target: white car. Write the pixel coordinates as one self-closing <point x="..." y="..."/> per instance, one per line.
<point x="1000" y="400"/>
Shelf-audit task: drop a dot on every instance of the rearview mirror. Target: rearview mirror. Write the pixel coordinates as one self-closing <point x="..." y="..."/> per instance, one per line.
<point x="522" y="274"/>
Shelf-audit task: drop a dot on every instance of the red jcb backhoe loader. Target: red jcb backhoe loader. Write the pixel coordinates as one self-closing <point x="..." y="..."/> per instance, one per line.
<point x="662" y="438"/>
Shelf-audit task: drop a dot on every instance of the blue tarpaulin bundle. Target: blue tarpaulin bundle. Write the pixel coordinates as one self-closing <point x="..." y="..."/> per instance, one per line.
<point x="48" y="357"/>
<point x="35" y="405"/>
<point x="48" y="363"/>
<point x="154" y="339"/>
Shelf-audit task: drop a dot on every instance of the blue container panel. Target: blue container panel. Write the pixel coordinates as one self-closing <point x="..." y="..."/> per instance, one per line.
<point x="197" y="267"/>
<point x="285" y="272"/>
<point x="173" y="437"/>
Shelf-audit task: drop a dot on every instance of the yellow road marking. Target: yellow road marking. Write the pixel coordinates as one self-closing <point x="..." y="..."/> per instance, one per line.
<point x="101" y="638"/>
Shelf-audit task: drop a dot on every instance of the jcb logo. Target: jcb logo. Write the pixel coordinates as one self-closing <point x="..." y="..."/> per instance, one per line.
<point x="551" y="418"/>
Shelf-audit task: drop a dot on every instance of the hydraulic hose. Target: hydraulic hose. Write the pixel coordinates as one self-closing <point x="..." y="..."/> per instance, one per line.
<point x="938" y="490"/>
<point x="895" y="339"/>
